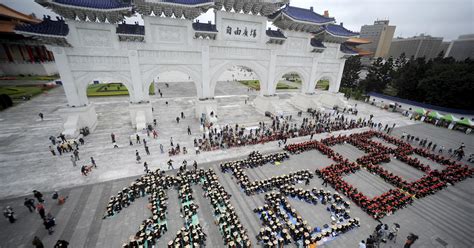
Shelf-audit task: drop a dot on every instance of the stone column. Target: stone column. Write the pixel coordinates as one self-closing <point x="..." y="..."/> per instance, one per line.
<point x="309" y="89"/>
<point x="140" y="107"/>
<point x="334" y="87"/>
<point x="270" y="84"/>
<point x="74" y="98"/>
<point x="79" y="113"/>
<point x="205" y="77"/>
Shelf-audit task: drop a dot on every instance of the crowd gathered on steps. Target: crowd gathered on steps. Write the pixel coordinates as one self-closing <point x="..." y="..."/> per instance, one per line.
<point x="281" y="128"/>
<point x="378" y="154"/>
<point x="156" y="184"/>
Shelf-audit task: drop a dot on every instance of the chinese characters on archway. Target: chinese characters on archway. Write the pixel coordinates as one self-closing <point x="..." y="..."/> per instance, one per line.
<point x="245" y="32"/>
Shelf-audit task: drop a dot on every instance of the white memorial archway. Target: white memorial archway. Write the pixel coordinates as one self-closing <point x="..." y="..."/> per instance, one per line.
<point x="93" y="43"/>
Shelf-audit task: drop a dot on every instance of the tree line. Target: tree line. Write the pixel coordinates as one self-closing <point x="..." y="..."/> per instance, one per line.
<point x="440" y="81"/>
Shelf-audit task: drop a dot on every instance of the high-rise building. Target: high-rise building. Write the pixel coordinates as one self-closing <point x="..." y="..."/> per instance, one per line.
<point x="417" y="46"/>
<point x="380" y="34"/>
<point x="461" y="48"/>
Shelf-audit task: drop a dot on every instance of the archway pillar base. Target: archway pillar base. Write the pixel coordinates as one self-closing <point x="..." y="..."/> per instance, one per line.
<point x="267" y="103"/>
<point x="318" y="99"/>
<point x="205" y="107"/>
<point x="75" y="118"/>
<point x="140" y="114"/>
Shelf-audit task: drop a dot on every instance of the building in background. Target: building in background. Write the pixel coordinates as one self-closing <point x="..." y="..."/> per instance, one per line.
<point x="443" y="48"/>
<point x="417" y="46"/>
<point x="462" y="48"/>
<point x="380" y="35"/>
<point x="20" y="55"/>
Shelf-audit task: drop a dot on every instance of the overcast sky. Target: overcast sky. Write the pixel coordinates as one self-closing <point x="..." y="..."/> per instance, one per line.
<point x="444" y="18"/>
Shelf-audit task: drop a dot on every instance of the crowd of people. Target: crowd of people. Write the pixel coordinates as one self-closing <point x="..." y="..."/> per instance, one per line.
<point x="281" y="128"/>
<point x="282" y="224"/>
<point x="155" y="185"/>
<point x="379" y="153"/>
<point x="255" y="159"/>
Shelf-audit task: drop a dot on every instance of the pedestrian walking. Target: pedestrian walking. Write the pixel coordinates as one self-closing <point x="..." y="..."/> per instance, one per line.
<point x="189" y="130"/>
<point x="41" y="116"/>
<point x="155" y="134"/>
<point x="138" y="159"/>
<point x="144" y="142"/>
<point x="170" y="164"/>
<point x="93" y="162"/>
<point x="410" y="240"/>
<point x="49" y="223"/>
<point x="177" y="120"/>
<point x="146" y="167"/>
<point x="171" y="141"/>
<point x="38" y="195"/>
<point x="147" y="150"/>
<point x="138" y="138"/>
<point x="112" y="136"/>
<point x="60" y="150"/>
<point x="73" y="160"/>
<point x="185" y="163"/>
<point x="61" y="244"/>
<point x="37" y="242"/>
<point x="76" y="155"/>
<point x="52" y="151"/>
<point x="9" y="214"/>
<point x="161" y="149"/>
<point x="195" y="165"/>
<point x="182" y="115"/>
<point x="30" y="204"/>
<point x="40" y="210"/>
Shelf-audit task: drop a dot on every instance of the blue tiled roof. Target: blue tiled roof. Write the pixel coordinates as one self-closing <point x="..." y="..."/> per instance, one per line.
<point x="275" y="33"/>
<point x="339" y="30"/>
<point x="189" y="2"/>
<point x="47" y="26"/>
<point x="206" y="27"/>
<point x="317" y="43"/>
<point x="134" y="29"/>
<point x="347" y="50"/>
<point x="96" y="4"/>
<point x="300" y="14"/>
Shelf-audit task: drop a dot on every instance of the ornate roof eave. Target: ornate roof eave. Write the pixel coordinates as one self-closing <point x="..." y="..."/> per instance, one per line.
<point x="286" y="22"/>
<point x="48" y="39"/>
<point x="113" y="15"/>
<point x="262" y="7"/>
<point x="306" y="22"/>
<point x="205" y="35"/>
<point x="171" y="9"/>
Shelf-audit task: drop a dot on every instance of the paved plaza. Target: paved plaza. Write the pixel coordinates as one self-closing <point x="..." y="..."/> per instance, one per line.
<point x="440" y="220"/>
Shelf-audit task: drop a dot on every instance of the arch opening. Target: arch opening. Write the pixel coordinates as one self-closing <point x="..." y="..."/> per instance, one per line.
<point x="237" y="80"/>
<point x="290" y="81"/>
<point x="323" y="83"/>
<point x="173" y="83"/>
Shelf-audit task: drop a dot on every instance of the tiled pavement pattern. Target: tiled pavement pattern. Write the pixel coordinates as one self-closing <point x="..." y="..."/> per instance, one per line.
<point x="25" y="164"/>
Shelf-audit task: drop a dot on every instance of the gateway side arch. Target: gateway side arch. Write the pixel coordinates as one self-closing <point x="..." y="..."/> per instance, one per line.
<point x="92" y="41"/>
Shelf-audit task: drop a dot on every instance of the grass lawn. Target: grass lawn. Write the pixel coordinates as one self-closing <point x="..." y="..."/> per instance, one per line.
<point x="41" y="78"/>
<point x="18" y="92"/>
<point x="255" y="84"/>
<point x="322" y="85"/>
<point x="112" y="89"/>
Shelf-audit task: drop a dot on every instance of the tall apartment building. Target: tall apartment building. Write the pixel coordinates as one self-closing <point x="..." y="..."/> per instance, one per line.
<point x="461" y="48"/>
<point x="380" y="34"/>
<point x="417" y="46"/>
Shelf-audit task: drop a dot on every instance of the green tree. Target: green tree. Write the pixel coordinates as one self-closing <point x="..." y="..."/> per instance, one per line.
<point x="350" y="76"/>
<point x="379" y="75"/>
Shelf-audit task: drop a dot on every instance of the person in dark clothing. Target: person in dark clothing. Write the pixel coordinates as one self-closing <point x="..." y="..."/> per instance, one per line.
<point x="41" y="211"/>
<point x="147" y="150"/>
<point x="61" y="244"/>
<point x="41" y="116"/>
<point x="37" y="242"/>
<point x="38" y="195"/>
<point x="30" y="204"/>
<point x="9" y="214"/>
<point x="93" y="162"/>
<point x="49" y="223"/>
<point x="410" y="240"/>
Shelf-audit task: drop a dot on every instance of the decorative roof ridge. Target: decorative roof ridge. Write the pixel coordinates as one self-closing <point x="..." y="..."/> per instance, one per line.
<point x="308" y="11"/>
<point x="204" y="27"/>
<point x="47" y="27"/>
<point x="275" y="33"/>
<point x="339" y="30"/>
